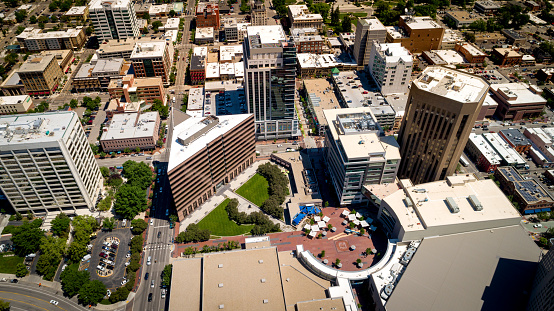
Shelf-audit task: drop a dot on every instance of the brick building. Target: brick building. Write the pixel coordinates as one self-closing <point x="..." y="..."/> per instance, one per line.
<point x="416" y="33"/>
<point x="207" y="15"/>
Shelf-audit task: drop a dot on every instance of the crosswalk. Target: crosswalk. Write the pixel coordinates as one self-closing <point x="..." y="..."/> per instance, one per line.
<point x="157" y="247"/>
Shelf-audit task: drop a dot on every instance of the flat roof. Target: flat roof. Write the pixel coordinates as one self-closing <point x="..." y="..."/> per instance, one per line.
<point x="472" y="49"/>
<point x="108" y="65"/>
<point x="36" y="64"/>
<point x="329" y="304"/>
<point x="97" y="4"/>
<point x="186" y="283"/>
<point x="462" y="16"/>
<point x="453" y="84"/>
<point x="131" y="125"/>
<point x="204" y="32"/>
<point x="301" y="12"/>
<point x="34" y="128"/>
<point x="172" y="23"/>
<point x="506" y="152"/>
<point x="185" y="131"/>
<point x="77" y="10"/>
<point x="320" y="102"/>
<point x="451" y="36"/>
<point x="515" y="137"/>
<point x="312" y="60"/>
<point x="485" y="149"/>
<point x="373" y="23"/>
<point x="149" y="49"/>
<point x="268" y="34"/>
<point x="481" y="270"/>
<point x="519" y="93"/>
<point x="511" y="52"/>
<point x="200" y="51"/>
<point x="430" y="207"/>
<point x="530" y="190"/>
<point x="489" y="101"/>
<point x="490" y="5"/>
<point x="420" y="22"/>
<point x="451" y="57"/>
<point x="394" y="52"/>
<point x="12" y="100"/>
<point x="212" y="70"/>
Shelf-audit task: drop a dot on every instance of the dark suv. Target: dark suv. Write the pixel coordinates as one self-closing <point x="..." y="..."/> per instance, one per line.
<point x="146" y="276"/>
<point x="149" y="297"/>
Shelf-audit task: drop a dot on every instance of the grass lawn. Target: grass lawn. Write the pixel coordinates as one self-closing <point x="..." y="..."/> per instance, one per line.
<point x="255" y="190"/>
<point x="219" y="223"/>
<point x="8" y="263"/>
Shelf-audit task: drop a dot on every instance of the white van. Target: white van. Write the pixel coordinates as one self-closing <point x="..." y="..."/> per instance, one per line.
<point x="87" y="257"/>
<point x="149" y="261"/>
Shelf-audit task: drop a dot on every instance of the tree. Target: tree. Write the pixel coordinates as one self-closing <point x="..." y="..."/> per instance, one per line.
<point x="137" y="174"/>
<point x="193" y="234"/>
<point x="26" y="238"/>
<point x="18" y="216"/>
<point x="145" y="30"/>
<point x="469" y="36"/>
<point x="30" y="215"/>
<point x="52" y="249"/>
<point x="346" y="24"/>
<point x="76" y="251"/>
<point x="4" y="305"/>
<point x="119" y="295"/>
<point x="12" y="59"/>
<point x="95" y="149"/>
<point x="54" y="19"/>
<point x="53" y="6"/>
<point x="337" y="262"/>
<point x="72" y="280"/>
<point x="105" y="171"/>
<point x="335" y="17"/>
<point x="156" y="25"/>
<point x="73" y="103"/>
<point x="92" y="292"/>
<point x="21" y="270"/>
<point x="322" y="9"/>
<point x="33" y="19"/>
<point x="478" y="25"/>
<point x="162" y="109"/>
<point x="89" y="30"/>
<point x="136" y="244"/>
<point x="139" y="225"/>
<point x="20" y="15"/>
<point x="108" y="223"/>
<point x="137" y="149"/>
<point x="172" y="13"/>
<point x="60" y="225"/>
<point x="129" y="201"/>
<point x="127" y="150"/>
<point x="322" y="254"/>
<point x="166" y="275"/>
<point x="115" y="181"/>
<point x="368" y="251"/>
<point x="146" y="16"/>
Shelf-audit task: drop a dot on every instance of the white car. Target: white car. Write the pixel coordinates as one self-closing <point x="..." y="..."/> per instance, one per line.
<point x="100" y="268"/>
<point x="127" y="263"/>
<point x="123" y="282"/>
<point x="64" y="266"/>
<point x="128" y="255"/>
<point x="54" y="302"/>
<point x="151" y="222"/>
<point x="537" y="226"/>
<point x="152" y="283"/>
<point x="109" y="293"/>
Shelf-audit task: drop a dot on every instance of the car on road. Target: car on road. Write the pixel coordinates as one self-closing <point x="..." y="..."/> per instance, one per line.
<point x="537" y="226"/>
<point x="163" y="293"/>
<point x="54" y="302"/>
<point x="149" y="297"/>
<point x="146" y="276"/>
<point x="152" y="283"/>
<point x="108" y="293"/>
<point x="14" y="281"/>
<point x="166" y="212"/>
<point x="151" y="222"/>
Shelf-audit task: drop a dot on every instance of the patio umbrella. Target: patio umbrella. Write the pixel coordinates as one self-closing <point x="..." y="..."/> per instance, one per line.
<point x="317" y="218"/>
<point x="326" y="219"/>
<point x="373" y="250"/>
<point x="325" y="261"/>
<point x="353" y="247"/>
<point x="345" y="213"/>
<point x="333" y="229"/>
<point x="358" y="215"/>
<point x="344" y="222"/>
<point x="351" y="217"/>
<point x="324" y="233"/>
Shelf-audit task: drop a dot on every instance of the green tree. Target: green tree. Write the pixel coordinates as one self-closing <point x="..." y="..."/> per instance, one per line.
<point x="18" y="216"/>
<point x="478" y="25"/>
<point x="54" y="19"/>
<point x="156" y="25"/>
<point x="346" y="24"/>
<point x="4" y="305"/>
<point x="26" y="238"/>
<point x="115" y="181"/>
<point x="137" y="173"/>
<point x="21" y="270"/>
<point x="139" y="225"/>
<point x="83" y="227"/>
<point x="129" y="201"/>
<point x="172" y="13"/>
<point x="335" y="17"/>
<point x="95" y="149"/>
<point x="119" y="295"/>
<point x="89" y="30"/>
<point x="105" y="171"/>
<point x="12" y="59"/>
<point x="137" y="149"/>
<point x="60" y="225"/>
<point x="162" y="109"/>
<point x="469" y="36"/>
<point x="76" y="251"/>
<point x="53" y="6"/>
<point x="20" y="15"/>
<point x="73" y="103"/>
<point x="33" y="19"/>
<point x="72" y="280"/>
<point x="108" y="223"/>
<point x="368" y="251"/>
<point x="193" y="233"/>
<point x="166" y="275"/>
<point x="136" y="244"/>
<point x="92" y="292"/>
<point x="322" y="9"/>
<point x="52" y="249"/>
<point x="146" y="16"/>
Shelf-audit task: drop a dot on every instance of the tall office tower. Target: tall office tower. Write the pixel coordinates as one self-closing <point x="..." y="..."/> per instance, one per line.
<point x="46" y="164"/>
<point x="270" y="73"/>
<point x="113" y="19"/>
<point x="542" y="297"/>
<point x="441" y="111"/>
<point x="390" y="65"/>
<point x="367" y="31"/>
<point x="259" y="13"/>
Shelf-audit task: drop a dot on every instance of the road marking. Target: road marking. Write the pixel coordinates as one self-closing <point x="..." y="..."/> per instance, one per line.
<point x="27" y="302"/>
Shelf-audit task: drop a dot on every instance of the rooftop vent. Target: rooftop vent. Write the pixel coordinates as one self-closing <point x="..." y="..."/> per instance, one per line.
<point x="262" y="280"/>
<point x="266" y="301"/>
<point x="475" y="203"/>
<point x="220" y="265"/>
<point x="221" y="306"/>
<point x="220" y="285"/>
<point x="260" y="261"/>
<point x="452" y="205"/>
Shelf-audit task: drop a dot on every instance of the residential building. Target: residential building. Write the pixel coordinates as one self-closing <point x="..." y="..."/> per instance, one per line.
<point x="357" y="154"/>
<point x="486" y="7"/>
<point x="300" y="17"/>
<point x="416" y="33"/>
<point x="113" y="19"/>
<point x="471" y="52"/>
<point x="508" y="154"/>
<point x="207" y="15"/>
<point x="97" y="77"/>
<point x="484" y="156"/>
<point x="461" y="18"/>
<point x="47" y="164"/>
<point x="152" y="59"/>
<point x="390" y="65"/>
<point x="259" y="13"/>
<point x="541" y="296"/>
<point x="35" y="40"/>
<point x="40" y="75"/>
<point x="506" y="56"/>
<point x="131" y="131"/>
<point x="450" y="39"/>
<point x="15" y="104"/>
<point x="517" y="101"/>
<point x="199" y="167"/>
<point x="13" y="85"/>
<point x="442" y="107"/>
<point x="528" y="193"/>
<point x="269" y="74"/>
<point x="368" y="30"/>
<point x="309" y="44"/>
<point x="516" y="139"/>
<point x="130" y="89"/>
<point x="545" y="74"/>
<point x="78" y="13"/>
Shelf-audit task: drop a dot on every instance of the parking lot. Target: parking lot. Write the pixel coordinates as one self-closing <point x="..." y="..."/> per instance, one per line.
<point x="492" y="76"/>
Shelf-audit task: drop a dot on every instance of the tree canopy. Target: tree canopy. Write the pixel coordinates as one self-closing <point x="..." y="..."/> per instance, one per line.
<point x="73" y="279"/>
<point x="129" y="201"/>
<point x="193" y="233"/>
<point x="137" y="174"/>
<point x="27" y="237"/>
<point x="162" y="109"/>
<point x="139" y="225"/>
<point x="92" y="292"/>
<point x="60" y="225"/>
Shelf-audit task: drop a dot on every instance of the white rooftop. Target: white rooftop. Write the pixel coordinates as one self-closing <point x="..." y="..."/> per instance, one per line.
<point x="193" y="125"/>
<point x="451" y="36"/>
<point x="120" y="4"/>
<point x="301" y="12"/>
<point x="172" y="23"/>
<point x="310" y="60"/>
<point x="204" y="33"/>
<point x="519" y="92"/>
<point x="212" y="70"/>
<point x="127" y="125"/>
<point x="452" y="84"/>
<point x="374" y="23"/>
<point x="394" y="52"/>
<point x="196" y="99"/>
<point x="485" y="149"/>
<point x="451" y="57"/>
<point x="489" y="101"/>
<point x="228" y="53"/>
<point x="420" y="22"/>
<point x="148" y="49"/>
<point x="507" y="152"/>
<point x="34" y="128"/>
<point x="76" y="10"/>
<point x="268" y="34"/>
<point x="200" y="51"/>
<point x="12" y="100"/>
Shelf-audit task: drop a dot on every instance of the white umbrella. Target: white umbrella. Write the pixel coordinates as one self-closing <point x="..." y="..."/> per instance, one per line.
<point x="312" y="234"/>
<point x="317" y="218"/>
<point x="364" y="224"/>
<point x="373" y="250"/>
<point x="307" y="227"/>
<point x="325" y="261"/>
<point x="356" y="222"/>
<point x="344" y="222"/>
<point x="321" y="224"/>
<point x="326" y="219"/>
<point x="333" y="229"/>
<point x="351" y="217"/>
<point x="315" y="228"/>
<point x="345" y="213"/>
<point x="358" y="215"/>
<point x="353" y="247"/>
<point x="324" y="233"/>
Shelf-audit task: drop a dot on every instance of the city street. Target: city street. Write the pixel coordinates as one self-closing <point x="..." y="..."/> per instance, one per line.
<point x="30" y="297"/>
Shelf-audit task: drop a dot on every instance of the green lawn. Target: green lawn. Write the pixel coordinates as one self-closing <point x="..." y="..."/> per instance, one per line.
<point x="8" y="264"/>
<point x="255" y="190"/>
<point x="219" y="223"/>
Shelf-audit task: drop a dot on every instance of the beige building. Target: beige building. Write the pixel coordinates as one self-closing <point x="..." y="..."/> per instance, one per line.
<point x="367" y="31"/>
<point x="15" y="104"/>
<point x="78" y="13"/>
<point x="152" y="59"/>
<point x="40" y="75"/>
<point x="131" y="130"/>
<point x="130" y="89"/>
<point x="36" y="40"/>
<point x="443" y="105"/>
<point x="259" y="13"/>
<point x="416" y="33"/>
<point x="300" y="17"/>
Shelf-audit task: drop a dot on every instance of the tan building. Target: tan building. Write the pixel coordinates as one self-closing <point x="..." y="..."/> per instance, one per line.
<point x="152" y="59"/>
<point x="13" y="85"/>
<point x="131" y="130"/>
<point x="416" y="33"/>
<point x="15" y="104"/>
<point x="129" y="89"/>
<point x="208" y="153"/>
<point x="461" y="18"/>
<point x="507" y="56"/>
<point x="40" y="75"/>
<point x="259" y="13"/>
<point x="78" y="13"/>
<point x="300" y="17"/>
<point x="471" y="52"/>
<point x="97" y="76"/>
<point x="63" y="57"/>
<point x="36" y="40"/>
<point x="443" y="105"/>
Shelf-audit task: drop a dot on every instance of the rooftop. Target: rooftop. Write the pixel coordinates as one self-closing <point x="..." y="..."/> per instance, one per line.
<point x="77" y="10"/>
<point x="472" y="49"/>
<point x="394" y="52"/>
<point x="172" y="23"/>
<point x="451" y="36"/>
<point x="512" y="34"/>
<point x="260" y="36"/>
<point x="34" y="128"/>
<point x="462" y="16"/>
<point x="509" y="52"/>
<point x="108" y="65"/>
<point x="453" y="84"/>
<point x="450" y="57"/>
<point x="485" y="149"/>
<point x="516" y="93"/>
<point x="490" y="5"/>
<point x="36" y="64"/>
<point x="301" y="12"/>
<point x="114" y="4"/>
<point x="204" y="33"/>
<point x="200" y="50"/>
<point x="148" y="49"/>
<point x="131" y="125"/>
<point x="12" y="100"/>
<point x="310" y="60"/>
<point x="196" y="99"/>
<point x="515" y="137"/>
<point x="420" y="22"/>
<point x="373" y="23"/>
<point x="507" y="152"/>
<point x="529" y="190"/>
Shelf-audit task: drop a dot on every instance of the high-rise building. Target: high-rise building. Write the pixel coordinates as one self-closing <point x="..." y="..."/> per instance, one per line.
<point x="441" y="111"/>
<point x="114" y="19"/>
<point x="47" y="164"/>
<point x="259" y="13"/>
<point x="357" y="154"/>
<point x="269" y="75"/>
<point x="367" y="31"/>
<point x="152" y="59"/>
<point x="390" y="65"/>
<point x="542" y="297"/>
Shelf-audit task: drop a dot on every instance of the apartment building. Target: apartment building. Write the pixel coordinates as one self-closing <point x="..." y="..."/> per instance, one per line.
<point x="15" y="104"/>
<point x="207" y="15"/>
<point x="269" y="75"/>
<point x="97" y="76"/>
<point x="517" y="101"/>
<point x="300" y="17"/>
<point x="131" y="130"/>
<point x="390" y="65"/>
<point x="416" y="33"/>
<point x="309" y="44"/>
<point x="78" y="13"/>
<point x="47" y="164"/>
<point x="113" y="19"/>
<point x="208" y="153"/>
<point x="130" y="89"/>
<point x="40" y="75"/>
<point x="471" y="52"/>
<point x="152" y="59"/>
<point x="35" y="40"/>
<point x="357" y="154"/>
<point x="367" y="31"/>
<point x="443" y="105"/>
<point x="259" y="13"/>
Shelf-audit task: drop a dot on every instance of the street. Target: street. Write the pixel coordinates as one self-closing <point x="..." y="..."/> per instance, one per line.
<point x="28" y="296"/>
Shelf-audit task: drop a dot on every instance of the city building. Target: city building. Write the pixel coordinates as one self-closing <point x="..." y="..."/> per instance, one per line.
<point x="367" y="31"/>
<point x="259" y="13"/>
<point x="545" y="74"/>
<point x="541" y="296"/>
<point x="231" y="30"/>
<point x="517" y="101"/>
<point x="486" y="7"/>
<point x="541" y="144"/>
<point x="300" y="17"/>
<point x="269" y="74"/>
<point x="532" y="5"/>
<point x="416" y="33"/>
<point x="63" y="57"/>
<point x="199" y="167"/>
<point x="119" y="48"/>
<point x="528" y="193"/>
<point x="113" y="19"/>
<point x="131" y="131"/>
<point x="40" y="75"/>
<point x="204" y="35"/>
<point x="47" y="164"/>
<point x="309" y="44"/>
<point x="442" y="107"/>
<point x="15" y="104"/>
<point x="356" y="153"/>
<point x="78" y="13"/>
<point x="207" y="15"/>
<point x="13" y="85"/>
<point x="516" y="139"/>
<point x="35" y="40"/>
<point x="130" y="89"/>
<point x="488" y="109"/>
<point x="433" y="58"/>
<point x="484" y="156"/>
<point x="541" y="56"/>
<point x="513" y="37"/>
<point x="450" y="39"/>
<point x="390" y="65"/>
<point x="506" y="56"/>
<point x="152" y="59"/>
<point x="160" y="10"/>
<point x="172" y="24"/>
<point x="507" y="153"/>
<point x="313" y="65"/>
<point x="97" y="76"/>
<point x="461" y="18"/>
<point x="197" y="69"/>
<point x="471" y="52"/>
